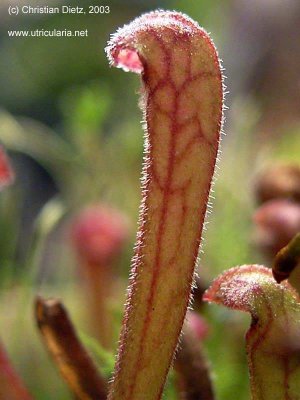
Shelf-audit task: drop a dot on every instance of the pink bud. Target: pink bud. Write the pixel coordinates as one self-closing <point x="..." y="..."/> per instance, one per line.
<point x="98" y="233"/>
<point x="278" y="181"/>
<point x="197" y="324"/>
<point x="6" y="172"/>
<point x="277" y="222"/>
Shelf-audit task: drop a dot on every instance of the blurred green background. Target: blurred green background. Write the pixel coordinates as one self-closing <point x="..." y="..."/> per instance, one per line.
<point x="72" y="128"/>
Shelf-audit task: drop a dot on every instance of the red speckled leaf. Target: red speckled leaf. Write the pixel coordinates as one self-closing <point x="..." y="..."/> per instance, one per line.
<point x="273" y="340"/>
<point x="6" y="172"/>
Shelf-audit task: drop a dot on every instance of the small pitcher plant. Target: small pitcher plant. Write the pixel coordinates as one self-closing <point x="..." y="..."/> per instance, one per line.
<point x="182" y="103"/>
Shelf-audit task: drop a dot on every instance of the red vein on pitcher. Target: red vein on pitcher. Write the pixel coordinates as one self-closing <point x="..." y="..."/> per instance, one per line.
<point x="182" y="106"/>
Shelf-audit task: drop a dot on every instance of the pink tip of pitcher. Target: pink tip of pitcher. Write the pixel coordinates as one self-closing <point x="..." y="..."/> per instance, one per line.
<point x="128" y="60"/>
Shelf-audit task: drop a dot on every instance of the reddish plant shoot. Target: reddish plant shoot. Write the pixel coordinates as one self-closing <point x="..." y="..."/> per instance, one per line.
<point x="73" y="361"/>
<point x="273" y="340"/>
<point x="11" y="385"/>
<point x="182" y="107"/>
<point x="279" y="181"/>
<point x="197" y="325"/>
<point x="98" y="235"/>
<point x="277" y="222"/>
<point x="287" y="260"/>
<point x="6" y="172"/>
<point x="192" y="371"/>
